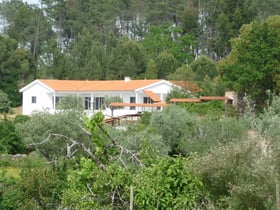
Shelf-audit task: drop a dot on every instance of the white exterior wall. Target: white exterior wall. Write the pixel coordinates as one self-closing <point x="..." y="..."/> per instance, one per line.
<point x="43" y="99"/>
<point x="161" y="90"/>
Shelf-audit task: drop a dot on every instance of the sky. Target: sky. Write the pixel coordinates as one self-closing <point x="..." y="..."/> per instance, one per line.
<point x="28" y="1"/>
<point x="2" y="23"/>
<point x="32" y="1"/>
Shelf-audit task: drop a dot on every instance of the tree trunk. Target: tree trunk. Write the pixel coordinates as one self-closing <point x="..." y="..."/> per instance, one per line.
<point x="131" y="198"/>
<point x="277" y="196"/>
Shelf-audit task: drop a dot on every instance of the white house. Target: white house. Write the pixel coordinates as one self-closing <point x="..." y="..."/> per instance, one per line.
<point x="137" y="95"/>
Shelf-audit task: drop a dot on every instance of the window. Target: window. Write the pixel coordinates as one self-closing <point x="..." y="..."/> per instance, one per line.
<point x="132" y="101"/>
<point x="87" y="103"/>
<point x="33" y="99"/>
<point x="57" y="99"/>
<point x="147" y="100"/>
<point x="98" y="102"/>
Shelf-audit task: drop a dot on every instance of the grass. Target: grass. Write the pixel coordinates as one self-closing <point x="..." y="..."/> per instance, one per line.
<point x="12" y="113"/>
<point x="10" y="168"/>
<point x="17" y="110"/>
<point x="11" y="172"/>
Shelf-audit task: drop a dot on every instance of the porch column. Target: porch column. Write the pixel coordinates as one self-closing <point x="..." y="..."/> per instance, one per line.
<point x="161" y="98"/>
<point x="54" y="101"/>
<point x="136" y="101"/>
<point x="92" y="102"/>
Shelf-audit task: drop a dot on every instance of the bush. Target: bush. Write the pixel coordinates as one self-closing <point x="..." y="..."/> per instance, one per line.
<point x="238" y="175"/>
<point x="71" y="102"/>
<point x="167" y="184"/>
<point x="179" y="93"/>
<point x="37" y="188"/>
<point x="10" y="194"/>
<point x="211" y="108"/>
<point x="184" y="132"/>
<point x="209" y="132"/>
<point x="5" y="103"/>
<point x="10" y="140"/>
<point x="174" y="124"/>
<point x="90" y="187"/>
<point x="40" y="127"/>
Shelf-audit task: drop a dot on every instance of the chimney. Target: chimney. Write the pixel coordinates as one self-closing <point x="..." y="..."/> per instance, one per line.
<point x="127" y="79"/>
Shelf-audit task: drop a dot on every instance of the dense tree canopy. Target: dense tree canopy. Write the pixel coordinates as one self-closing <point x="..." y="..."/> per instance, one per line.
<point x="16" y="68"/>
<point x="112" y="39"/>
<point x="253" y="65"/>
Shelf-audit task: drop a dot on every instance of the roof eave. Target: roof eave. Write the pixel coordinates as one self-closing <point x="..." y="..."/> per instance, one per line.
<point x="153" y="84"/>
<point x="33" y="83"/>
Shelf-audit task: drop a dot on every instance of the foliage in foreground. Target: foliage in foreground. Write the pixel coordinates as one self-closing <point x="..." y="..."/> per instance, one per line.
<point x="184" y="132"/>
<point x="165" y="184"/>
<point x="36" y="187"/>
<point x="5" y="103"/>
<point x="238" y="175"/>
<point x="226" y="167"/>
<point x="10" y="139"/>
<point x="49" y="134"/>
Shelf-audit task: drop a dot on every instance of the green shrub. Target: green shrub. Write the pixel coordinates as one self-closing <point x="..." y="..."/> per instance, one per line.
<point x="167" y="184"/>
<point x="5" y="103"/>
<point x="10" y="140"/>
<point x="238" y="175"/>
<point x="213" y="108"/>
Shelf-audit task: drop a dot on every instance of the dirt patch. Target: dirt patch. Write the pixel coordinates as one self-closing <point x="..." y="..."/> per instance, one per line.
<point x="13" y="112"/>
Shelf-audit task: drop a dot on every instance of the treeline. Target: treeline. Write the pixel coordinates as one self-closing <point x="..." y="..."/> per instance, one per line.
<point x="109" y="39"/>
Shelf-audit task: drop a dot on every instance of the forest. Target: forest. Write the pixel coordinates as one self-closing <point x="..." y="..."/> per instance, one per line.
<point x="188" y="156"/>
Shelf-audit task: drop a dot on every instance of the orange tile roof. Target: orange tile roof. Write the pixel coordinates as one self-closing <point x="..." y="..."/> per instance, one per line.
<point x="185" y="100"/>
<point x="89" y="85"/>
<point x="138" y="105"/>
<point x="198" y="100"/>
<point x="213" y="98"/>
<point x="152" y="95"/>
<point x="188" y="85"/>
